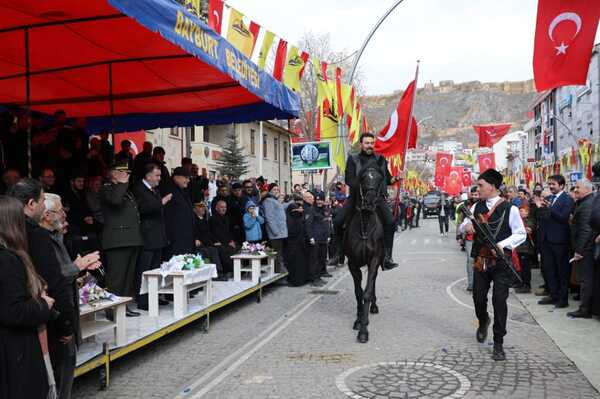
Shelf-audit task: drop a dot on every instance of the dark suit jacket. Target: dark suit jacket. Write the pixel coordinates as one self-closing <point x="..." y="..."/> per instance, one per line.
<point x="219" y="229"/>
<point x="179" y="220"/>
<point x="582" y="238"/>
<point x="121" y="218"/>
<point x="554" y="220"/>
<point x="151" y="215"/>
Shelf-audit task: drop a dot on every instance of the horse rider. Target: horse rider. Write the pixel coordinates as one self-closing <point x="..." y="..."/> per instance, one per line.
<point x="354" y="167"/>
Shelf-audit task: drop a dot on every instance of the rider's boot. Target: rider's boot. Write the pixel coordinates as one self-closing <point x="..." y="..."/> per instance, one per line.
<point x="388" y="262"/>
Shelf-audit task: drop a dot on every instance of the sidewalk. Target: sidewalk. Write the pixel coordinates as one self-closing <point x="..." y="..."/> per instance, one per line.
<point x="578" y="339"/>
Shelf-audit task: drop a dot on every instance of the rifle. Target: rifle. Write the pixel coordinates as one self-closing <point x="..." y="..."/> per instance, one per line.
<point x="490" y="242"/>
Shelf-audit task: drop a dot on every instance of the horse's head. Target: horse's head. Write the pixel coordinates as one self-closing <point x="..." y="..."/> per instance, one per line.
<point x="369" y="187"/>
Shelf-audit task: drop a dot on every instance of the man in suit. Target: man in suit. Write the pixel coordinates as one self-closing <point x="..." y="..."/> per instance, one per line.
<point x="152" y="224"/>
<point x="121" y="235"/>
<point x="179" y="215"/>
<point x="553" y="213"/>
<point x="220" y="232"/>
<point x="583" y="246"/>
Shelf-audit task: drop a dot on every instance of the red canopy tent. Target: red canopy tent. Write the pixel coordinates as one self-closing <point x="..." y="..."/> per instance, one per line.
<point x="125" y="64"/>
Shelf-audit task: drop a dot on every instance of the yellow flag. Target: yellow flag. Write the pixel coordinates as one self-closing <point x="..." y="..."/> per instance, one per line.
<point x="265" y="48"/>
<point x="238" y="33"/>
<point x="292" y="72"/>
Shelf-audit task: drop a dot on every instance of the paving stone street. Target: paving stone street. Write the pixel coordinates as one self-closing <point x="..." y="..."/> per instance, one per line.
<point x="298" y="343"/>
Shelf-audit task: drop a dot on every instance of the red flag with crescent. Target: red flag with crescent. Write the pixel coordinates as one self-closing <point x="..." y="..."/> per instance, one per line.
<point x="487" y="161"/>
<point x="491" y="134"/>
<point x="564" y="36"/>
<point x="453" y="183"/>
<point x="215" y="15"/>
<point x="467" y="179"/>
<point x="392" y="138"/>
<point x="443" y="164"/>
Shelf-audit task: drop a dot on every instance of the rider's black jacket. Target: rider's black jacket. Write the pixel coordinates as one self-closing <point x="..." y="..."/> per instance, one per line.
<point x="364" y="160"/>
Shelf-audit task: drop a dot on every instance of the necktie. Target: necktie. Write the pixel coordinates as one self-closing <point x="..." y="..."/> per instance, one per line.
<point x="552" y="199"/>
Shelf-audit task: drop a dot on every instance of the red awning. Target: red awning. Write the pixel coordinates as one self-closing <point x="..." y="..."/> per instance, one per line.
<point x="77" y="48"/>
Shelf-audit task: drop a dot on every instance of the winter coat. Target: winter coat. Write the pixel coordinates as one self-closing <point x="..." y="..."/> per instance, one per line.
<point x="152" y="218"/>
<point x="582" y="234"/>
<point x="22" y="370"/>
<point x="179" y="220"/>
<point x="275" y="219"/>
<point x="318" y="224"/>
<point x="252" y="224"/>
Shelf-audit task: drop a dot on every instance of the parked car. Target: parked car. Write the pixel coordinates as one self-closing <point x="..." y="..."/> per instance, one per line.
<point x="431" y="201"/>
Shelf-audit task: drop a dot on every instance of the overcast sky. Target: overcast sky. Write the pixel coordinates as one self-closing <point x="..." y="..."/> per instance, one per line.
<point x="460" y="40"/>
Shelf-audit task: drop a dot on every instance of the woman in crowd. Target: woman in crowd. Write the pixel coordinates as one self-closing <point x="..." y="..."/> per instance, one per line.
<point x="25" y="370"/>
<point x="295" y="246"/>
<point x="275" y="222"/>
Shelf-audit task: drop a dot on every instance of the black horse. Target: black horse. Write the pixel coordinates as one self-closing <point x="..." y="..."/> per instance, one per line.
<point x="363" y="245"/>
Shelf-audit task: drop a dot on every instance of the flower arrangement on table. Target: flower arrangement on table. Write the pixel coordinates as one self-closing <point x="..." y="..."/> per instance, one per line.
<point x="182" y="262"/>
<point x="91" y="293"/>
<point x="256" y="249"/>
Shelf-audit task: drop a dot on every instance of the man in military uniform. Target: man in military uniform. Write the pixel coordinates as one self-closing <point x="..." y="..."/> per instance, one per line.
<point x="354" y="166"/>
<point x="121" y="235"/>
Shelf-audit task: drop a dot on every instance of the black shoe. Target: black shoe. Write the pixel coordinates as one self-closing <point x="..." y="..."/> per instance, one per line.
<point x="498" y="354"/>
<point x="523" y="290"/>
<point x="318" y="282"/>
<point x="388" y="264"/>
<point x="326" y="275"/>
<point x="580" y="314"/>
<point x="546" y="301"/>
<point x="131" y="313"/>
<point x="142" y="306"/>
<point x="482" y="331"/>
<point x="561" y="305"/>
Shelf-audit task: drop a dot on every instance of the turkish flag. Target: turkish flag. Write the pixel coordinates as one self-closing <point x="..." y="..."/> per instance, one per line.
<point x="564" y="37"/>
<point x="443" y="164"/>
<point x="392" y="138"/>
<point x="453" y="183"/>
<point x="467" y="180"/>
<point x="215" y="15"/>
<point x="136" y="138"/>
<point x="491" y="134"/>
<point x="487" y="161"/>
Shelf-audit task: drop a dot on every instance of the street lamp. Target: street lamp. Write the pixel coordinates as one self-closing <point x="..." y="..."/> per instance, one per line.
<point x="424" y="119"/>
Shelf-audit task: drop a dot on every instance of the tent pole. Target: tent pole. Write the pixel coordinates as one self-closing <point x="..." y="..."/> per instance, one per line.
<point x="112" y="105"/>
<point x="28" y="100"/>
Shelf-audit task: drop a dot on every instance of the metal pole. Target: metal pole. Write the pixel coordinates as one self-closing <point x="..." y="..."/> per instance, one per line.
<point x="28" y="100"/>
<point x="342" y="129"/>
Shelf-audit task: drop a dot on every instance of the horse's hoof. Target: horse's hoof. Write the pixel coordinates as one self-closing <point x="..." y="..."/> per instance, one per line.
<point x="356" y="325"/>
<point x="374" y="309"/>
<point x="363" y="337"/>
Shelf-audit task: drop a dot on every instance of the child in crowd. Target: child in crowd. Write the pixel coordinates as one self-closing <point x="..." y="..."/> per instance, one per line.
<point x="252" y="223"/>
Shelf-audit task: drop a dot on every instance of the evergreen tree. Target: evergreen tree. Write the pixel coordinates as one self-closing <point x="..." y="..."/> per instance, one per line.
<point x="233" y="162"/>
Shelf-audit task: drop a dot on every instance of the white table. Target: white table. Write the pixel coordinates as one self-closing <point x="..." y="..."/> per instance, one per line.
<point x="90" y="326"/>
<point x="246" y="263"/>
<point x="178" y="284"/>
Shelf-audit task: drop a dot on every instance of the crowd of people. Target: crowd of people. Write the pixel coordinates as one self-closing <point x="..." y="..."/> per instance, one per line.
<point x="563" y="241"/>
<point x="88" y="209"/>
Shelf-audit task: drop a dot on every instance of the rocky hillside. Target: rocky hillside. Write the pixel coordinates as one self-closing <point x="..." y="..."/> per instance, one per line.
<point x="452" y="108"/>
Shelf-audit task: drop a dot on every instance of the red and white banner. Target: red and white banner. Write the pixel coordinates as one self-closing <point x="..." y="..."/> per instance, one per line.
<point x="443" y="164"/>
<point x="564" y="37"/>
<point x="453" y="183"/>
<point x="215" y="15"/>
<point x="487" y="161"/>
<point x="491" y="134"/>
<point x="136" y="138"/>
<point x="467" y="179"/>
<point x="392" y="138"/>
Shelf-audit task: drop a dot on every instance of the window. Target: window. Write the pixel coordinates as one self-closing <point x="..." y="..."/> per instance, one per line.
<point x="175" y="131"/>
<point x="286" y="151"/>
<point x="206" y="134"/>
<point x="193" y="134"/>
<point x="265" y="152"/>
<point x="275" y="149"/>
<point x="252" y="142"/>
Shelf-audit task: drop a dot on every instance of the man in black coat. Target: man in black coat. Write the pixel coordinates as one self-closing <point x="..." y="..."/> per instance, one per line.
<point x="221" y="234"/>
<point x="121" y="235"/>
<point x="236" y="207"/>
<point x="204" y="242"/>
<point x="179" y="215"/>
<point x="158" y="157"/>
<point x="141" y="160"/>
<point x="61" y="330"/>
<point x="582" y="242"/>
<point x="152" y="224"/>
